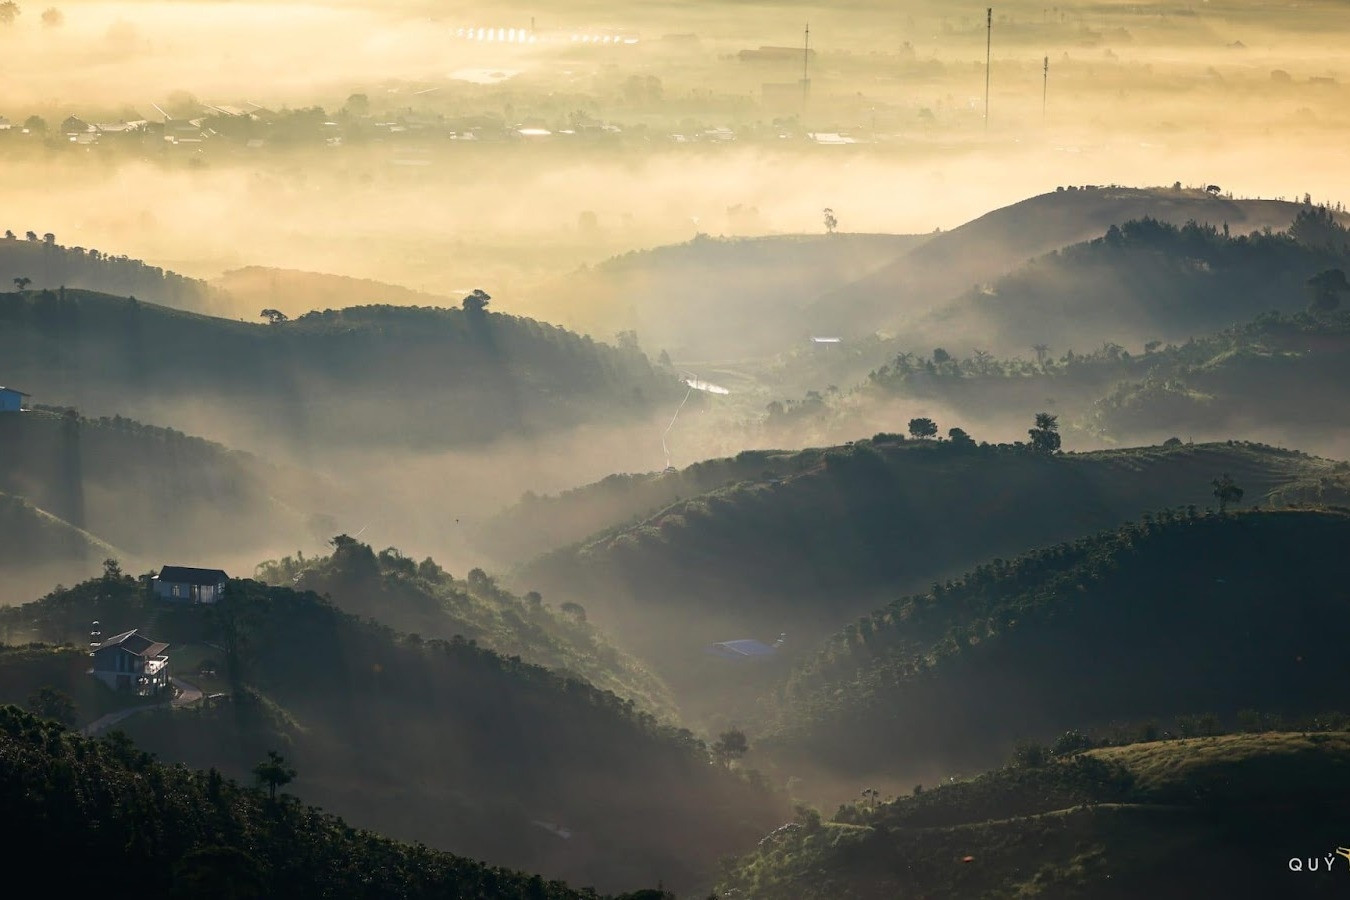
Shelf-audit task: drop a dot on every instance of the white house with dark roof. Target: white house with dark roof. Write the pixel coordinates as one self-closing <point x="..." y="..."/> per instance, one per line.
<point x="184" y="584"/>
<point x="11" y="400"/>
<point x="130" y="661"/>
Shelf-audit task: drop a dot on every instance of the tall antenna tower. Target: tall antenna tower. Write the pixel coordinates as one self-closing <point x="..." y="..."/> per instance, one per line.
<point x="806" y="64"/>
<point x="1045" y="85"/>
<point x="988" y="45"/>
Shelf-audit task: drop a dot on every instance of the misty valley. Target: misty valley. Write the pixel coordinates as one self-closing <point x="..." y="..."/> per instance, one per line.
<point x="704" y="451"/>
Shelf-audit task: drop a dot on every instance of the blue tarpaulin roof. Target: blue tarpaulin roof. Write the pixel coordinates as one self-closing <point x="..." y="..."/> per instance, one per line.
<point x="742" y="648"/>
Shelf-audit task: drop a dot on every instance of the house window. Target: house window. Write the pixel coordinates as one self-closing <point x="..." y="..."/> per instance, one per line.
<point x="177" y="590"/>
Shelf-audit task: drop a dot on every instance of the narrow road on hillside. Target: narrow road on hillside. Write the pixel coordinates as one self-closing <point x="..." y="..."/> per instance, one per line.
<point x="187" y="695"/>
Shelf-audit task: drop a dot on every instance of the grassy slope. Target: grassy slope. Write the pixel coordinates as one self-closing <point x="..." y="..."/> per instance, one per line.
<point x="1214" y="816"/>
<point x="1180" y="614"/>
<point x="199" y="836"/>
<point x="828" y="532"/>
<point x="443" y="742"/>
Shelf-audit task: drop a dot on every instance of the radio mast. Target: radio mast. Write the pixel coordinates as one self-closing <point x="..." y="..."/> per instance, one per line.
<point x="988" y="45"/>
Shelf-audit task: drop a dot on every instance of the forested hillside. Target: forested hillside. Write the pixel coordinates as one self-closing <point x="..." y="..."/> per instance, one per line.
<point x="997" y="243"/>
<point x="440" y="741"/>
<point x="422" y="598"/>
<point x="45" y="264"/>
<point x="1211" y="816"/>
<point x="1182" y="612"/>
<point x="1148" y="280"/>
<point x="823" y="535"/>
<point x="201" y="836"/>
<point x="355" y="378"/>
<point x="1276" y="375"/>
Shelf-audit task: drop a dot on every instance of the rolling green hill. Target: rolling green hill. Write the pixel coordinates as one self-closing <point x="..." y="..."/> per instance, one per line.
<point x="366" y="377"/>
<point x="155" y="492"/>
<point x="1278" y="374"/>
<point x="198" y="835"/>
<point x="1207" y="817"/>
<point x="295" y="293"/>
<point x="538" y="524"/>
<point x="1183" y="612"/>
<point x="825" y="535"/>
<point x="424" y="599"/>
<point x="721" y="298"/>
<point x="1276" y="377"/>
<point x="1146" y="280"/>
<point x="439" y="741"/>
<point x="48" y="264"/>
<point x="893" y="298"/>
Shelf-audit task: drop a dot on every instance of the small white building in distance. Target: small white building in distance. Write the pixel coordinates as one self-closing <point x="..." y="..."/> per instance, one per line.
<point x="11" y="400"/>
<point x="185" y="584"/>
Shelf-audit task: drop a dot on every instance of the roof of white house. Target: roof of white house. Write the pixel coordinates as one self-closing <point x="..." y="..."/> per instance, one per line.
<point x="135" y="643"/>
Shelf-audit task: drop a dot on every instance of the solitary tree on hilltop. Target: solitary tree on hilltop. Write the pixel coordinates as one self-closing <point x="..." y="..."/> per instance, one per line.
<point x="922" y="428"/>
<point x="274" y="773"/>
<point x="831" y="223"/>
<point x="1226" y="491"/>
<point x="477" y="302"/>
<point x="1045" y="436"/>
<point x="274" y="316"/>
<point x="1041" y="351"/>
<point x="21" y="283"/>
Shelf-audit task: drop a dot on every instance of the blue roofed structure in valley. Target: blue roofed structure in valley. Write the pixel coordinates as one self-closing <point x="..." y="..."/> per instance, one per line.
<point x="746" y="648"/>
